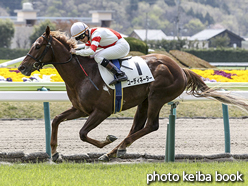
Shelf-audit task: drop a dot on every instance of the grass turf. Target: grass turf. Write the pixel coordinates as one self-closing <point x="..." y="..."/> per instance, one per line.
<point x="190" y="109"/>
<point x="115" y="174"/>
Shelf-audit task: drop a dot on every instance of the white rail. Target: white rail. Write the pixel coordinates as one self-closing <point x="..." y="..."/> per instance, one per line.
<point x="60" y="96"/>
<point x="12" y="61"/>
<point x="33" y="96"/>
<point x="229" y="64"/>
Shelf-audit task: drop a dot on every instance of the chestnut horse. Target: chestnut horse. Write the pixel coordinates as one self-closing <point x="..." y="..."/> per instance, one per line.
<point x="170" y="81"/>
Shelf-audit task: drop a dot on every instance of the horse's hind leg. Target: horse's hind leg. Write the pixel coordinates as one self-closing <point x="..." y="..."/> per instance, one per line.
<point x="152" y="124"/>
<point x="138" y="124"/>
<point x="121" y="148"/>
<point x="139" y="118"/>
<point x="69" y="114"/>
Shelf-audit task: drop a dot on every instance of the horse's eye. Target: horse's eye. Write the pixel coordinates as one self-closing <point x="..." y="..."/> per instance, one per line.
<point x="37" y="47"/>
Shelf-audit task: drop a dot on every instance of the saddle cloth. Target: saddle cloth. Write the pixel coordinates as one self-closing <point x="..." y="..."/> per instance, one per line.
<point x="136" y="70"/>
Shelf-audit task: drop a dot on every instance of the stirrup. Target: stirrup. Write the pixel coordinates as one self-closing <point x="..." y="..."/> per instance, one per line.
<point x="119" y="79"/>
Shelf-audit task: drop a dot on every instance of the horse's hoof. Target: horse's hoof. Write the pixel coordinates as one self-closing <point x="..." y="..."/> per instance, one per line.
<point x="104" y="158"/>
<point x="111" y="138"/>
<point x="121" y="153"/>
<point x="55" y="157"/>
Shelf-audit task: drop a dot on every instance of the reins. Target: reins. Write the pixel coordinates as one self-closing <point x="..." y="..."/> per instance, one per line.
<point x="40" y="58"/>
<point x="85" y="72"/>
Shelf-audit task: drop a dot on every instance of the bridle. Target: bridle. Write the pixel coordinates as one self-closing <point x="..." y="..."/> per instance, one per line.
<point x="40" y="58"/>
<point x="39" y="64"/>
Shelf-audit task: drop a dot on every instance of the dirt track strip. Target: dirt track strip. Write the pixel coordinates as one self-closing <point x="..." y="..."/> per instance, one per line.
<point x="20" y="157"/>
<point x="193" y="136"/>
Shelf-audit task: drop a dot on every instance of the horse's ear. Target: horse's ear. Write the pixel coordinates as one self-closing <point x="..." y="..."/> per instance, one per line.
<point x="47" y="31"/>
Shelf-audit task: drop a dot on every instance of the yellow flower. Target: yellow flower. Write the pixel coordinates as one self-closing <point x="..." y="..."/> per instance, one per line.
<point x="237" y="75"/>
<point x="17" y="77"/>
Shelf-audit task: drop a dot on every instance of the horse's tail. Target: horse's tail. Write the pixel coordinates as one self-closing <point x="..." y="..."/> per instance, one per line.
<point x="197" y="87"/>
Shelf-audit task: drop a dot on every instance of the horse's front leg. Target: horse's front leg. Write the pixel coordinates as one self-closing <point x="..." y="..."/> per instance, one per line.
<point x="69" y="114"/>
<point x="95" y="118"/>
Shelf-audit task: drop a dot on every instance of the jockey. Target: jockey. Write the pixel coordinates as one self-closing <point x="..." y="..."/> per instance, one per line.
<point x="114" y="47"/>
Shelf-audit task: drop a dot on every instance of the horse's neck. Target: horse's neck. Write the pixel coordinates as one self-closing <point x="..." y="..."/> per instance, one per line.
<point x="72" y="73"/>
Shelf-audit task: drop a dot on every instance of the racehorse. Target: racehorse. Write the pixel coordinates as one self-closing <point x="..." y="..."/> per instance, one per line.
<point x="170" y="81"/>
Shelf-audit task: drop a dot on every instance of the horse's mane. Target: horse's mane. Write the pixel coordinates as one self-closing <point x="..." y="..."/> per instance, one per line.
<point x="64" y="39"/>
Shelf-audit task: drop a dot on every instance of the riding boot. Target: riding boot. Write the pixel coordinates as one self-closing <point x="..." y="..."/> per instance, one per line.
<point x="120" y="75"/>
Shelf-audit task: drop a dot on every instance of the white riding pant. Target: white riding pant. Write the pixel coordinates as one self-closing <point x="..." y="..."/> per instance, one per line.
<point x="119" y="50"/>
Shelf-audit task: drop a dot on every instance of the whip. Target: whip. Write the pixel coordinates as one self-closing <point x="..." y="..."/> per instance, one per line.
<point x="85" y="73"/>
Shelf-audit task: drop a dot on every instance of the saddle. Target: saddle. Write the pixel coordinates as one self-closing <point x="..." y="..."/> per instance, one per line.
<point x="135" y="68"/>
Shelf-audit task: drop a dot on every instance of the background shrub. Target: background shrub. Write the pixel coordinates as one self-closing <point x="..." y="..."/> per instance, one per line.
<point x="137" y="45"/>
<point x="221" y="54"/>
<point x="6" y="53"/>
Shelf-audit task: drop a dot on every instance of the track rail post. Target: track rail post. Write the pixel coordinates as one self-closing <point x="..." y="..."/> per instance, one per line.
<point x="226" y="128"/>
<point x="170" y="138"/>
<point x="47" y="124"/>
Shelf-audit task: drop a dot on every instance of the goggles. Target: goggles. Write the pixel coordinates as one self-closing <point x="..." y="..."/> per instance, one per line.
<point x="82" y="36"/>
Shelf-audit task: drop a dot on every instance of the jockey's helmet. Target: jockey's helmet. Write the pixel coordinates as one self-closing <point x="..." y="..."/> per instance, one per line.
<point x="78" y="29"/>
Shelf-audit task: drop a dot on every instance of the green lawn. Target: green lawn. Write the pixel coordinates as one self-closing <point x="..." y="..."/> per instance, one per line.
<point x="121" y="174"/>
<point x="4" y="60"/>
<point x="188" y="109"/>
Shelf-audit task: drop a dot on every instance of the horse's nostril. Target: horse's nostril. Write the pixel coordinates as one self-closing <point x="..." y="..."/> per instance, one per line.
<point x="21" y="68"/>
